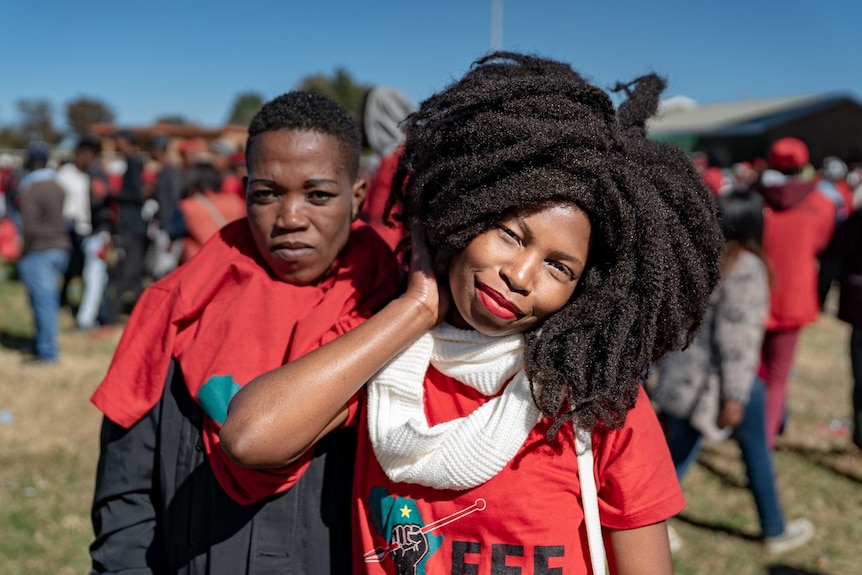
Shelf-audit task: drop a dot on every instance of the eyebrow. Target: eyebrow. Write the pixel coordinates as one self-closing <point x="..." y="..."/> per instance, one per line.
<point x="320" y="182"/>
<point x="556" y="254"/>
<point x="308" y="183"/>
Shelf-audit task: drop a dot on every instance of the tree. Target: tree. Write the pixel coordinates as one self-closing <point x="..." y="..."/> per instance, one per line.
<point x="10" y="137"/>
<point x="83" y="112"/>
<point x="36" y="120"/>
<point x="177" y="119"/>
<point x="245" y="106"/>
<point x="341" y="87"/>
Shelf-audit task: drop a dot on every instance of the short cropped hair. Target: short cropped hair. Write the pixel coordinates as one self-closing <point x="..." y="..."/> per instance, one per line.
<point x="308" y="111"/>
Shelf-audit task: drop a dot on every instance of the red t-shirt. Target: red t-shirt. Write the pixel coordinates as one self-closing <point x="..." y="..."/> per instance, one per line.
<point x="528" y="518"/>
<point x="792" y="240"/>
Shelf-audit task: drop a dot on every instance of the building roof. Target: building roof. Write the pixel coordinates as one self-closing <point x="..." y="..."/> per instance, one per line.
<point x="741" y="118"/>
<point x="105" y="129"/>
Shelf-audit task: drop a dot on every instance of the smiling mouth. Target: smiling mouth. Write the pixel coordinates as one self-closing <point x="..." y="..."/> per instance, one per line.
<point x="497" y="304"/>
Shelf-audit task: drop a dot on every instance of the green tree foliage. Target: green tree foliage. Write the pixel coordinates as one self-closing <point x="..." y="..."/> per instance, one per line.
<point x="177" y="119"/>
<point x="245" y="106"/>
<point x="36" y="121"/>
<point x="341" y="87"/>
<point x="82" y="112"/>
<point x="11" y="137"/>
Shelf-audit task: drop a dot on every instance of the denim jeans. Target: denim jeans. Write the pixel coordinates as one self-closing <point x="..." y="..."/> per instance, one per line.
<point x="95" y="277"/>
<point x="42" y="273"/>
<point x="685" y="443"/>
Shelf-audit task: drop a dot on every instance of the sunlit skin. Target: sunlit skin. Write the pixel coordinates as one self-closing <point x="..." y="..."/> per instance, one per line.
<point x="302" y="199"/>
<point x="510" y="278"/>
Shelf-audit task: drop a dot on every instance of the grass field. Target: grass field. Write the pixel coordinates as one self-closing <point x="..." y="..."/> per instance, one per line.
<point x="49" y="447"/>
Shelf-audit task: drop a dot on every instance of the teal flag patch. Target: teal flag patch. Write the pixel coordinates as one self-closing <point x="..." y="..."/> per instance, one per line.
<point x="215" y="395"/>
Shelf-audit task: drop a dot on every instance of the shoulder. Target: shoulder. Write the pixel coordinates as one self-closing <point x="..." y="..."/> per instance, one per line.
<point x="746" y="283"/>
<point x="637" y="481"/>
<point x="641" y="425"/>
<point x="748" y="264"/>
<point x="45" y="187"/>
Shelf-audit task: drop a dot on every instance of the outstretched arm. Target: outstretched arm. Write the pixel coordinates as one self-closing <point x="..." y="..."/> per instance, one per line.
<point x="276" y="417"/>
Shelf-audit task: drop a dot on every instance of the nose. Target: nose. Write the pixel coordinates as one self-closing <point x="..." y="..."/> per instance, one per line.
<point x="291" y="215"/>
<point x="520" y="272"/>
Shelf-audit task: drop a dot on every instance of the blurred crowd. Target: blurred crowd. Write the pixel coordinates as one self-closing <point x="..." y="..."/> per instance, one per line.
<point x="99" y="226"/>
<point x="105" y="222"/>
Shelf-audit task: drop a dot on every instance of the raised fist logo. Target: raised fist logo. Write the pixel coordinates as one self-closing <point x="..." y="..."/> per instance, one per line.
<point x="410" y="545"/>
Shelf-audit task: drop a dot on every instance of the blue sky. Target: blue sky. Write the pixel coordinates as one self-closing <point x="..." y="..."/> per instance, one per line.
<point x="147" y="59"/>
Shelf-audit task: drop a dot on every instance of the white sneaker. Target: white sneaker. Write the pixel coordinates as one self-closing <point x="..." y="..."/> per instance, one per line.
<point x="796" y="534"/>
<point x="674" y="539"/>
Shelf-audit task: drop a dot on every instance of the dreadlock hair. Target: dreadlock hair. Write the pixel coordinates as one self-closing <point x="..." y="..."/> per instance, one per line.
<point x="312" y="112"/>
<point x="520" y="132"/>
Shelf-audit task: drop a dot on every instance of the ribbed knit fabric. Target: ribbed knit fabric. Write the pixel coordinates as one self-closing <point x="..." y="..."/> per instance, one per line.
<point x="465" y="452"/>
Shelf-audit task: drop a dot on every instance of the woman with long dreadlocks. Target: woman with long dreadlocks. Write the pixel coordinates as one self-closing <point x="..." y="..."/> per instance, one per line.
<point x="557" y="253"/>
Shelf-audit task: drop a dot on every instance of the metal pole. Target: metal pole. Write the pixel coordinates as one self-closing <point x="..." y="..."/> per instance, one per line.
<point x="496" y="25"/>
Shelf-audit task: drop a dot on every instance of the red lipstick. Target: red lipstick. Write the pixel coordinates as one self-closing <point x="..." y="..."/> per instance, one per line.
<point x="496" y="303"/>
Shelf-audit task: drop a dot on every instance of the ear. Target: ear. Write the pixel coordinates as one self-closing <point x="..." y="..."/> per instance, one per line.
<point x="360" y="189"/>
<point x="245" y="186"/>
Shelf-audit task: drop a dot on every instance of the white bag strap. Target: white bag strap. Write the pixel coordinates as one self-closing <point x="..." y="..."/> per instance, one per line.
<point x="590" y="500"/>
<point x="213" y="211"/>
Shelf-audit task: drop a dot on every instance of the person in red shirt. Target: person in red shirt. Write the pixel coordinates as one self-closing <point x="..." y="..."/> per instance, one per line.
<point x="798" y="224"/>
<point x="506" y="426"/>
<point x="267" y="288"/>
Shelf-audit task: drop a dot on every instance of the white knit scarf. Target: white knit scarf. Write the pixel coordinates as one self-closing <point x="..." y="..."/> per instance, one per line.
<point x="468" y="451"/>
<point x="464" y="452"/>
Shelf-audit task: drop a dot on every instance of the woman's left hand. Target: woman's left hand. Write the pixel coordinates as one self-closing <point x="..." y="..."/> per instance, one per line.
<point x="732" y="412"/>
<point x="423" y="284"/>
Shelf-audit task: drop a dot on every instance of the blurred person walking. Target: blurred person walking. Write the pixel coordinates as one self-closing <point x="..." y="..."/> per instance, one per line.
<point x="126" y="277"/>
<point x="45" y="253"/>
<point x="34" y="168"/>
<point x="832" y="182"/>
<point x="170" y="189"/>
<point x="94" y="246"/>
<point x="73" y="178"/>
<point x="711" y="389"/>
<point x="846" y="250"/>
<point x="798" y="224"/>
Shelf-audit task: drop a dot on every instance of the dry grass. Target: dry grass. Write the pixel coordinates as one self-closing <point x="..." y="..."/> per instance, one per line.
<point x="819" y="473"/>
<point x="49" y="448"/>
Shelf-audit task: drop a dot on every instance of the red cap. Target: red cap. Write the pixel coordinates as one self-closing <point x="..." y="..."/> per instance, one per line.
<point x="788" y="154"/>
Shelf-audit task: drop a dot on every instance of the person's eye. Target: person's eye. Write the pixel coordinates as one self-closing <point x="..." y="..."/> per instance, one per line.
<point x="509" y="233"/>
<point x="562" y="270"/>
<point x="262" y="194"/>
<point x="320" y="197"/>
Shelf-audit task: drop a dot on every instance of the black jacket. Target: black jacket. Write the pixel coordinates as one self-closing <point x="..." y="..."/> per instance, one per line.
<point x="846" y="248"/>
<point x="158" y="509"/>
